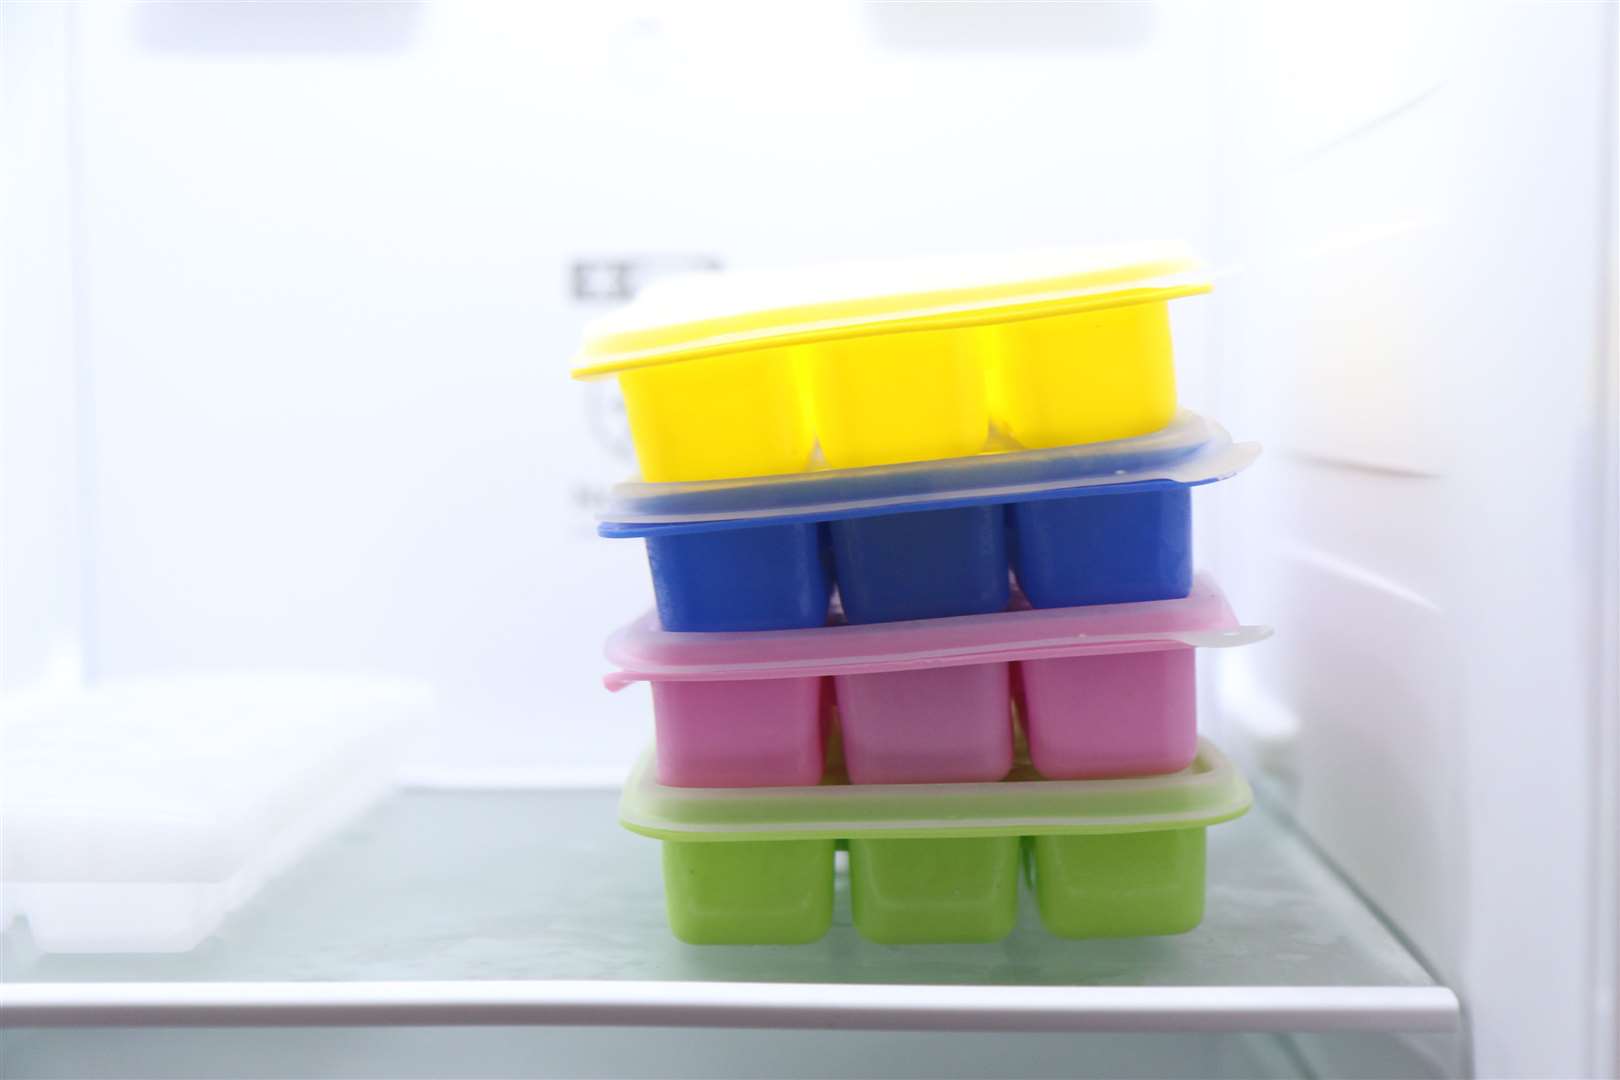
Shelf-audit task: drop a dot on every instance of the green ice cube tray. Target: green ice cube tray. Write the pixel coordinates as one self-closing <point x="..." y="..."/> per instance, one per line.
<point x="937" y="862"/>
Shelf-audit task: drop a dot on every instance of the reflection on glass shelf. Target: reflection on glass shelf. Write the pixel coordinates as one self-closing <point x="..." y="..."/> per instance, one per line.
<point x="455" y="927"/>
<point x="544" y="885"/>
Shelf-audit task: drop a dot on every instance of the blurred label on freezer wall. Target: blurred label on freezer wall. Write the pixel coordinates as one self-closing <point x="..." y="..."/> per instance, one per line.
<point x="610" y="280"/>
<point x="615" y="279"/>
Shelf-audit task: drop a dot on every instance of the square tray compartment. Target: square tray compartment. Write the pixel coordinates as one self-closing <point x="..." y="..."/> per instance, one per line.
<point x="933" y="725"/>
<point x="757" y="733"/>
<point x="775" y="892"/>
<point x="774" y="577"/>
<point x="1119" y="714"/>
<point x="1103" y="549"/>
<point x="926" y="565"/>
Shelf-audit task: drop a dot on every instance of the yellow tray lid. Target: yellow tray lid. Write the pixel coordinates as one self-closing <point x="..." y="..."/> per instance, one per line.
<point x="710" y="313"/>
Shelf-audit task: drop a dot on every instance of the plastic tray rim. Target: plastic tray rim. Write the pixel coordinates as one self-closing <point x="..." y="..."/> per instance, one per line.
<point x="1208" y="792"/>
<point x="1192" y="450"/>
<point x="620" y="343"/>
<point x="1202" y="619"/>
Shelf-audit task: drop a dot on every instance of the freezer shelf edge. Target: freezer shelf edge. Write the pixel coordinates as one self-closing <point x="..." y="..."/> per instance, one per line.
<point x="659" y="1003"/>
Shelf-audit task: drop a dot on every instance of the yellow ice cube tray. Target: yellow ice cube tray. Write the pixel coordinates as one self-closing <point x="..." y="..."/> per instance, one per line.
<point x="742" y="374"/>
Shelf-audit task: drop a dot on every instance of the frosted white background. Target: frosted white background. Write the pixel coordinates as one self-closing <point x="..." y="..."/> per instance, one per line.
<point x="287" y="323"/>
<point x="326" y="309"/>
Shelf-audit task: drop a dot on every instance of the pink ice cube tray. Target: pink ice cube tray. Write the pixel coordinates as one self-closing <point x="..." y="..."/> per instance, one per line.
<point x="1100" y="691"/>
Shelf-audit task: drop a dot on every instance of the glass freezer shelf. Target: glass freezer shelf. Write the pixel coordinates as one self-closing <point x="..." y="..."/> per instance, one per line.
<point x="534" y="908"/>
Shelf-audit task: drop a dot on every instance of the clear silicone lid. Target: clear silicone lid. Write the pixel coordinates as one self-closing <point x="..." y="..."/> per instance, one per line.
<point x="645" y="652"/>
<point x="1192" y="450"/>
<point x="1207" y="792"/>
<point x="711" y="313"/>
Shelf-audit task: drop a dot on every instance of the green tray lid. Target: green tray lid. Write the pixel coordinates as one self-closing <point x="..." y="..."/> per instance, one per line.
<point x="1207" y="792"/>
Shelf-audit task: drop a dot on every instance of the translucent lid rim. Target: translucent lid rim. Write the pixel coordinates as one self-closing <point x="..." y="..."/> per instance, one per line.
<point x="1203" y="619"/>
<point x="1209" y="791"/>
<point x="1191" y="450"/>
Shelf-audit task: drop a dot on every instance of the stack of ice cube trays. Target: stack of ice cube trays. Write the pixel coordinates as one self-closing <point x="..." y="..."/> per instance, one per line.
<point x="921" y="542"/>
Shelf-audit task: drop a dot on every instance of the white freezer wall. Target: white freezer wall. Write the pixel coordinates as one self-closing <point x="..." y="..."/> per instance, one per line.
<point x="41" y="564"/>
<point x="326" y="311"/>
<point x="1417" y="207"/>
<point x="317" y="311"/>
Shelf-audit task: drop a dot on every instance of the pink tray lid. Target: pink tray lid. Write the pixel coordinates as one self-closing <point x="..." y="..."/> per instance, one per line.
<point x="644" y="651"/>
